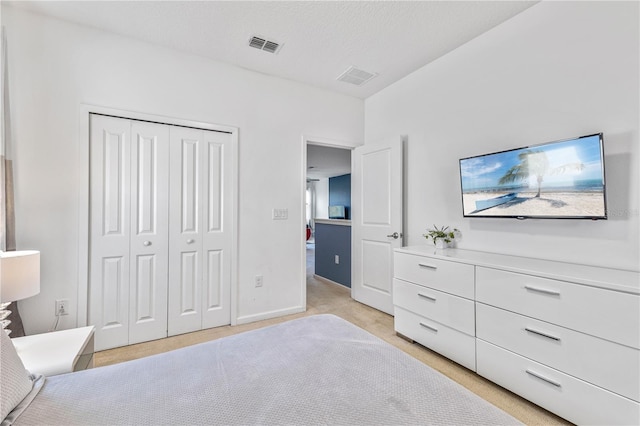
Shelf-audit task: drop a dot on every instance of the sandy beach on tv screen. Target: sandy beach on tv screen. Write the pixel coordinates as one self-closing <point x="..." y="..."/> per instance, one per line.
<point x="549" y="204"/>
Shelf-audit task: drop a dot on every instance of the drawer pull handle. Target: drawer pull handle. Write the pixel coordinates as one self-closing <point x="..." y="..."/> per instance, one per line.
<point x="426" y="265"/>
<point x="542" y="290"/>
<point x="429" y="327"/>
<point x="543" y="378"/>
<point x="424" y="296"/>
<point x="540" y="333"/>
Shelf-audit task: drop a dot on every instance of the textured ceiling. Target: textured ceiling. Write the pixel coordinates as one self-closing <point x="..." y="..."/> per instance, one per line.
<point x="320" y="39"/>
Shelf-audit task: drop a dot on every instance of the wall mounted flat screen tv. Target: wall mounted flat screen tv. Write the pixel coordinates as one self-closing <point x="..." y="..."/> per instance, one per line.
<point x="555" y="180"/>
<point x="337" y="212"/>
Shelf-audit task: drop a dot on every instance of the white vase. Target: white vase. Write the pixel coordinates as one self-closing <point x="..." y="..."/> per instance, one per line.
<point x="441" y="244"/>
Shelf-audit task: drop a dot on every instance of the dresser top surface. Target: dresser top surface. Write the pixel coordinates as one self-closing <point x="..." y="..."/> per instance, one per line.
<point x="607" y="278"/>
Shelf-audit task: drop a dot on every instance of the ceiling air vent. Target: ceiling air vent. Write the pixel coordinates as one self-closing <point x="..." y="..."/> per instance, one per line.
<point x="356" y="76"/>
<point x="264" y="44"/>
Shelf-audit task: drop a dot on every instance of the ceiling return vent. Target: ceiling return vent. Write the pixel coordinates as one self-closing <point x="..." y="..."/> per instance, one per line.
<point x="264" y="44"/>
<point x="356" y="76"/>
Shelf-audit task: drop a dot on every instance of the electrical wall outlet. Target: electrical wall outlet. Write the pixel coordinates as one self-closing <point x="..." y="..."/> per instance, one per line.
<point x="337" y="259"/>
<point x="62" y="307"/>
<point x="259" y="280"/>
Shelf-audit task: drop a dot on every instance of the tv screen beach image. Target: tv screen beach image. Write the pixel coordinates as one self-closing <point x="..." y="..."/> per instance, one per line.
<point x="558" y="179"/>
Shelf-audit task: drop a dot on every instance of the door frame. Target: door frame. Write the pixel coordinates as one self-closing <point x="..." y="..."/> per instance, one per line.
<point x="320" y="141"/>
<point x="84" y="197"/>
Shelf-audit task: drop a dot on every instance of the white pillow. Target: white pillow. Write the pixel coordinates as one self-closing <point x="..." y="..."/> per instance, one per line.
<point x="15" y="380"/>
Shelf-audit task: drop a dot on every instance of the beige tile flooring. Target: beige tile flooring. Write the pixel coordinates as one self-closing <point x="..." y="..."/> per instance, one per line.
<point x="323" y="297"/>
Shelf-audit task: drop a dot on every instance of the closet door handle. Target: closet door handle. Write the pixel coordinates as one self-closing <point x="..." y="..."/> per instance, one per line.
<point x="543" y="378"/>
<point x="429" y="327"/>
<point x="542" y="290"/>
<point x="424" y="296"/>
<point x="543" y="334"/>
<point x="190" y="241"/>
<point x="146" y="243"/>
<point x="426" y="265"/>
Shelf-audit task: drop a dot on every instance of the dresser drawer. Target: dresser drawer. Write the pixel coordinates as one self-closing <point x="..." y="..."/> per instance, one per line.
<point x="453" y="311"/>
<point x="575" y="400"/>
<point x="453" y="344"/>
<point x="450" y="277"/>
<point x="604" y="313"/>
<point x="610" y="365"/>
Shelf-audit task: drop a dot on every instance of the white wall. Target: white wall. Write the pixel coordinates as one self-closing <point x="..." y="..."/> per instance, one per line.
<point x="557" y="70"/>
<point x="55" y="67"/>
<point x="322" y="199"/>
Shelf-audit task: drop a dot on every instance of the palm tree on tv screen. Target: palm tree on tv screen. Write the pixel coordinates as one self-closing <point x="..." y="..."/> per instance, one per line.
<point x="535" y="163"/>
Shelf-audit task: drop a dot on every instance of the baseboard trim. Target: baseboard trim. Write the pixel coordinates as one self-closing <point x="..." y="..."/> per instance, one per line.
<point x="327" y="280"/>
<point x="271" y="314"/>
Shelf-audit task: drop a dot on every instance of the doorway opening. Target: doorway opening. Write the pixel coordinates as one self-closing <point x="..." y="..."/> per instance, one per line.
<point x="327" y="173"/>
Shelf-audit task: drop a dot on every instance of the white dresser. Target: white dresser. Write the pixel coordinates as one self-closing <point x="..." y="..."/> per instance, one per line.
<point x="564" y="336"/>
<point x="434" y="306"/>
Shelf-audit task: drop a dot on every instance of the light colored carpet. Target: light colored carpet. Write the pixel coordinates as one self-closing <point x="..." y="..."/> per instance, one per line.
<point x="316" y="370"/>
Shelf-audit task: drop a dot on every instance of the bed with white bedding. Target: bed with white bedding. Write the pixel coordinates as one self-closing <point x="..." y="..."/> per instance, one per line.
<point x="314" y="370"/>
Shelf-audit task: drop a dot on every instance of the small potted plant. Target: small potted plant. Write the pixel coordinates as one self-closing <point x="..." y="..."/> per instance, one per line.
<point x="442" y="237"/>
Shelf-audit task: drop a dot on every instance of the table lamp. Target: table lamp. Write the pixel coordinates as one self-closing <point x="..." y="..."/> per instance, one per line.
<point x="19" y="279"/>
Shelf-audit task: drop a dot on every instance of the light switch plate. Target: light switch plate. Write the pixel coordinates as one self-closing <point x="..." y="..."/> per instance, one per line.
<point x="280" y="214"/>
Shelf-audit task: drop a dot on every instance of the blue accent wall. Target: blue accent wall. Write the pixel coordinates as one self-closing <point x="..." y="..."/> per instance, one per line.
<point x="332" y="240"/>
<point x="340" y="193"/>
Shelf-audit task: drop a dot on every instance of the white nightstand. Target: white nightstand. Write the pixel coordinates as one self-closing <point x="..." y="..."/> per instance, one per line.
<point x="57" y="352"/>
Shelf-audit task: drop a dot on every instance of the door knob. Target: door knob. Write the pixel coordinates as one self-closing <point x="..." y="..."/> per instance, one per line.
<point x="190" y="241"/>
<point x="395" y="236"/>
<point x="146" y="243"/>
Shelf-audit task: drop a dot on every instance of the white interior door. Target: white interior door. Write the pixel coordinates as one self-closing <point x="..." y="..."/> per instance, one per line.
<point x="217" y="232"/>
<point x="129" y="221"/>
<point x="377" y="201"/>
<point x="200" y="235"/>
<point x="162" y="226"/>
<point x="185" y="242"/>
<point x="110" y="230"/>
<point x="149" y="231"/>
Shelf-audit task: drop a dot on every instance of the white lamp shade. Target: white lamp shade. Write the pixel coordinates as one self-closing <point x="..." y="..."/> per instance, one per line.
<point x="19" y="275"/>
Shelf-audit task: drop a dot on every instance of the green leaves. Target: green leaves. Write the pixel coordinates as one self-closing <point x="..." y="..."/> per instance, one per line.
<point x="442" y="233"/>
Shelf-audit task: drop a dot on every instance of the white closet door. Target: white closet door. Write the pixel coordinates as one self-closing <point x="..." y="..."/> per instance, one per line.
<point x="149" y="251"/>
<point x="216" y="237"/>
<point x="185" y="236"/>
<point x="160" y="239"/>
<point x="199" y="235"/>
<point x="110" y="229"/>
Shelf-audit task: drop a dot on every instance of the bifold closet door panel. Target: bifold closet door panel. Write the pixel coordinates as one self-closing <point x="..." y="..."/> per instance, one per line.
<point x="199" y="235"/>
<point x="185" y="230"/>
<point x="110" y="174"/>
<point x="149" y="252"/>
<point x="216" y="236"/>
